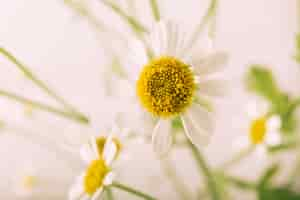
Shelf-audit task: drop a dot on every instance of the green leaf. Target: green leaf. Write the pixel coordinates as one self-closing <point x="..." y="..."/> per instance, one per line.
<point x="297" y="55"/>
<point x="261" y="81"/>
<point x="277" y="194"/>
<point x="268" y="175"/>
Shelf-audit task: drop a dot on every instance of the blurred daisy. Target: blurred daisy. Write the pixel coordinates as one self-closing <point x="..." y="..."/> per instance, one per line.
<point x="263" y="130"/>
<point x="173" y="80"/>
<point x="26" y="184"/>
<point x="99" y="155"/>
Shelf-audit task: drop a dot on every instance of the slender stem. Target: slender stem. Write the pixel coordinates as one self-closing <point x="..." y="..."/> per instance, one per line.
<point x="238" y="158"/>
<point x="39" y="82"/>
<point x="109" y="194"/>
<point x="179" y="186"/>
<point x="41" y="106"/>
<point x="135" y="25"/>
<point x="203" y="166"/>
<point x="211" y="11"/>
<point x="155" y="9"/>
<point x="240" y="183"/>
<point x="132" y="191"/>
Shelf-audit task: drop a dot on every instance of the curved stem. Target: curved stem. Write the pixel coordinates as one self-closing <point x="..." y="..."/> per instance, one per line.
<point x="39" y="82"/>
<point x="132" y="191"/>
<point x="155" y="9"/>
<point x="174" y="179"/>
<point x="211" y="12"/>
<point x="238" y="158"/>
<point x="135" y="25"/>
<point x="44" y="107"/>
<point x="203" y="166"/>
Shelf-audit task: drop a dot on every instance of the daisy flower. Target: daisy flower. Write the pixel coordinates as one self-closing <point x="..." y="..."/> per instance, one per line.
<point x="263" y="129"/>
<point x="99" y="155"/>
<point x="172" y="80"/>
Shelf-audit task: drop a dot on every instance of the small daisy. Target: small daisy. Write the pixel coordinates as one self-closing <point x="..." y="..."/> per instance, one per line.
<point x="262" y="129"/>
<point x="98" y="154"/>
<point x="173" y="80"/>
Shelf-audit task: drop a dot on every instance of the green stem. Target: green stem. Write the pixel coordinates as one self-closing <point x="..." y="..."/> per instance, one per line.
<point x="41" y="106"/>
<point x="109" y="193"/>
<point x="238" y="158"/>
<point x="155" y="9"/>
<point x="135" y="25"/>
<point x="211" y="12"/>
<point x="242" y="184"/>
<point x="179" y="186"/>
<point x="39" y="82"/>
<point x="132" y="191"/>
<point x="203" y="166"/>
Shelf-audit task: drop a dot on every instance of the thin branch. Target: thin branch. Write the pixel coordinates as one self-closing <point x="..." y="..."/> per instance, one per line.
<point x="132" y="191"/>
<point x="155" y="9"/>
<point x="40" y="83"/>
<point x="44" y="107"/>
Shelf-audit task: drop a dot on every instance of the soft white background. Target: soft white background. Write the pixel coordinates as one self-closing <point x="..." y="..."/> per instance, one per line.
<point x="63" y="50"/>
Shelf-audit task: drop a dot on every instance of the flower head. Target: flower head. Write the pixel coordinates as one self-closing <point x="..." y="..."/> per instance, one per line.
<point x="173" y="81"/>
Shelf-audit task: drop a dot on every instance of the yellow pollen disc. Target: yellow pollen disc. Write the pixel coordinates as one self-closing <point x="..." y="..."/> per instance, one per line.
<point x="166" y="87"/>
<point x="258" y="130"/>
<point x="94" y="176"/>
<point x="29" y="182"/>
<point x="101" y="142"/>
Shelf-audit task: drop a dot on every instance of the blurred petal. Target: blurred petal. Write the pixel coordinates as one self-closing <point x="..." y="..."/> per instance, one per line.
<point x="162" y="137"/>
<point x="273" y="138"/>
<point x="274" y="123"/>
<point x="77" y="191"/>
<point x="110" y="151"/>
<point x="109" y="178"/>
<point x="198" y="125"/>
<point x="97" y="194"/>
<point x="86" y="153"/>
<point x="213" y="88"/>
<point x="210" y="64"/>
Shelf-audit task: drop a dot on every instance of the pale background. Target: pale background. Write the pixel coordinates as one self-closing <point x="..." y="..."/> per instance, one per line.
<point x="63" y="50"/>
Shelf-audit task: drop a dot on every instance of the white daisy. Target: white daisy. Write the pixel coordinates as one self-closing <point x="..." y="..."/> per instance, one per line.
<point x="262" y="129"/>
<point x="98" y="154"/>
<point x="174" y="82"/>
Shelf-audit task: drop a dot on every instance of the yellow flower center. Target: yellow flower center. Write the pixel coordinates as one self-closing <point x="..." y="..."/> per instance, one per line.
<point x="166" y="87"/>
<point x="94" y="176"/>
<point x="101" y="142"/>
<point x="258" y="130"/>
<point x="29" y="182"/>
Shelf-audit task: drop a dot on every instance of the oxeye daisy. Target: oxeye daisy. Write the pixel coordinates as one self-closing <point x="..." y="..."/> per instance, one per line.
<point x="172" y="80"/>
<point x="98" y="154"/>
<point x="262" y="129"/>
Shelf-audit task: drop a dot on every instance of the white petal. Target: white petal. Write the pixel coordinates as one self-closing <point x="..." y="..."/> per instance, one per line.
<point x="261" y="152"/>
<point x="94" y="146"/>
<point x="273" y="138"/>
<point x="198" y="125"/>
<point x="109" y="178"/>
<point x="210" y="64"/>
<point x="77" y="191"/>
<point x="274" y="123"/>
<point x="162" y="137"/>
<point x="109" y="151"/>
<point x="87" y="153"/>
<point x="212" y="88"/>
<point x="97" y="194"/>
<point x="256" y="108"/>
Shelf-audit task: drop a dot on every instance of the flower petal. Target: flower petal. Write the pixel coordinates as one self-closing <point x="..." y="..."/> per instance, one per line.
<point x="210" y="64"/>
<point x="162" y="137"/>
<point x="212" y="88"/>
<point x="198" y="125"/>
<point x="97" y="194"/>
<point x="110" y="151"/>
<point x="274" y="123"/>
<point x="109" y="178"/>
<point x="87" y="153"/>
<point x="273" y="138"/>
<point x="77" y="191"/>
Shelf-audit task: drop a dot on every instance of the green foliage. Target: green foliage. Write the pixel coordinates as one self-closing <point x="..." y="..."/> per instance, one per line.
<point x="297" y="55"/>
<point x="261" y="81"/>
<point x="277" y="194"/>
<point x="268" y="175"/>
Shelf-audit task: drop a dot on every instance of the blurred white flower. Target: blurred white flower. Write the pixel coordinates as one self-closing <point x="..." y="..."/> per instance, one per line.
<point x="262" y="129"/>
<point x="171" y="79"/>
<point x="99" y="155"/>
